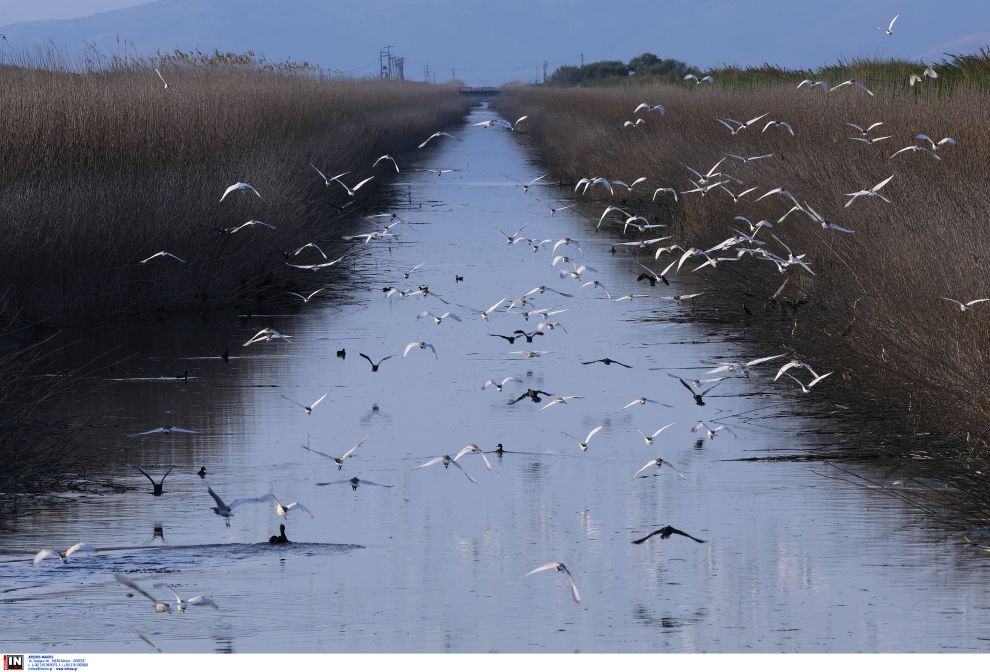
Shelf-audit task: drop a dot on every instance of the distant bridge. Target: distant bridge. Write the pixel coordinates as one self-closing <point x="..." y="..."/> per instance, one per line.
<point x="480" y="91"/>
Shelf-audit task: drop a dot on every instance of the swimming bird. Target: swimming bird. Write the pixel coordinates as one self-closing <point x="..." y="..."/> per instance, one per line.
<point x="889" y="30"/>
<point x="305" y="299"/>
<point x="201" y="473"/>
<point x="648" y="439"/>
<point x="665" y="532"/>
<point x="160" y="607"/>
<point x="658" y="462"/>
<point x="339" y="461"/>
<point x="350" y="191"/>
<point x="281" y="538"/>
<point x="239" y="186"/>
<point x="853" y="82"/>
<point x="965" y="306"/>
<point x="282" y="510"/>
<point x="807" y="388"/>
<point x="583" y="445"/>
<point x="699" y="397"/>
<point x="560" y="400"/>
<point x="498" y="386"/>
<point x="165" y="254"/>
<point x="436" y="135"/>
<point x="642" y="401"/>
<point x="199" y="600"/>
<point x="166" y="430"/>
<point x="422" y="345"/>
<point x="374" y="366"/>
<point x="607" y="362"/>
<point x="310" y="407"/>
<point x="386" y="157"/>
<point x="473" y="448"/>
<point x="875" y="192"/>
<point x="156" y="487"/>
<point x="225" y="510"/>
<point x="64" y="556"/>
<point x="446" y="460"/>
<point x="560" y="567"/>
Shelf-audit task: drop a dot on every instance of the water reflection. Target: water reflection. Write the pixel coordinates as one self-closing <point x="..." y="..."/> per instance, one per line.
<point x="795" y="561"/>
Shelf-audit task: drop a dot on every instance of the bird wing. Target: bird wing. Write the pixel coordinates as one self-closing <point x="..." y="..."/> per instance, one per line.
<point x="754" y="362"/>
<point x="674" y="530"/>
<point x="44" y="554"/>
<point x="293" y="401"/>
<point x="891" y="26"/>
<point x="593" y="432"/>
<point x="574" y="589"/>
<point x="244" y="500"/>
<point x="357" y="445"/>
<point x="649" y="536"/>
<point x="549" y="565"/>
<point x="314" y="450"/>
<point x="146" y="475"/>
<point x="701" y="394"/>
<point x="464" y="471"/>
<point x="645" y="467"/>
<point x="657" y="433"/>
<point x="178" y="598"/>
<point x="433" y="350"/>
<point x="362" y="183"/>
<point x="882" y="184"/>
<point x="80" y="548"/>
<point x="429" y="463"/>
<point x="414" y="344"/>
<point x="784" y="368"/>
<point x="133" y="586"/>
<point x="298" y="505"/>
<point x="315" y="403"/>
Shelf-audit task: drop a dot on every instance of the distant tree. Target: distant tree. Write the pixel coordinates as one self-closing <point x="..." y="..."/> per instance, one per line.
<point x="645" y="65"/>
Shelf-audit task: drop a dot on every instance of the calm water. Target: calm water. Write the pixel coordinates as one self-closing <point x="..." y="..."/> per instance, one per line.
<point x="794" y="561"/>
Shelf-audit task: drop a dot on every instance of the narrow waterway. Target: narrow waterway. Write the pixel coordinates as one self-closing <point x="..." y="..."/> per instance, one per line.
<point x="793" y="561"/>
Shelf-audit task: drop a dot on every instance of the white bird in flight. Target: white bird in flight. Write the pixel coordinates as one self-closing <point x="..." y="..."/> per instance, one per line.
<point x="965" y="306"/>
<point x="283" y="509"/>
<point x="310" y="407"/>
<point x="935" y="145"/>
<point x="875" y="192"/>
<point x="339" y="461"/>
<point x="267" y="334"/>
<point x="889" y="30"/>
<point x="182" y="604"/>
<point x="642" y="401"/>
<point x="225" y="510"/>
<point x="436" y="135"/>
<point x="473" y="448"/>
<point x="163" y="253"/>
<point x="707" y="78"/>
<point x="350" y="191"/>
<point x="446" y="460"/>
<point x="560" y="400"/>
<point x="583" y="445"/>
<point x="166" y="430"/>
<point x="560" y="567"/>
<point x="328" y="180"/>
<point x="658" y="462"/>
<point x="386" y="157"/>
<point x="422" y="345"/>
<point x="157" y="72"/>
<point x="807" y="388"/>
<point x="498" y="385"/>
<point x="305" y="299"/>
<point x="853" y="82"/>
<point x="160" y="607"/>
<point x="64" y="556"/>
<point x="239" y="186"/>
<point x="315" y="267"/>
<point x="648" y="439"/>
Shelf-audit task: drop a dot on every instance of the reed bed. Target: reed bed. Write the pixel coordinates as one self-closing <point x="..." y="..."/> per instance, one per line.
<point x="874" y="311"/>
<point x="102" y="167"/>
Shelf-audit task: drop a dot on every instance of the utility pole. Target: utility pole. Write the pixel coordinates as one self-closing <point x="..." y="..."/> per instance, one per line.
<point x="582" y="59"/>
<point x="544" y="72"/>
<point x="426" y="73"/>
<point x="452" y="75"/>
<point x="385" y="62"/>
<point x="400" y="62"/>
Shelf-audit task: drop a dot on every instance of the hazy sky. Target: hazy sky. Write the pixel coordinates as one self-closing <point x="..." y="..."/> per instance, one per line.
<point x="492" y="42"/>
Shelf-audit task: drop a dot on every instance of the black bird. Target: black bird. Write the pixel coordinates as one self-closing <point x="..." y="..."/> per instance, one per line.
<point x="458" y="278"/>
<point x="529" y="337"/>
<point x="665" y="533"/>
<point x="510" y="339"/>
<point x="184" y="377"/>
<point x="499" y="449"/>
<point x="386" y="289"/>
<point x="201" y="473"/>
<point x="342" y="354"/>
<point x="607" y="362"/>
<point x="281" y="538"/>
<point x="156" y="487"/>
<point x="374" y="367"/>
<point x="532" y="394"/>
<point x="698" y="396"/>
<point x="225" y="356"/>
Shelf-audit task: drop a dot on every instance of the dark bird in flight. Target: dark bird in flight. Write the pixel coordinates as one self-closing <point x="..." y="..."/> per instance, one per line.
<point x="665" y="533"/>
<point x="374" y="367"/>
<point x="534" y="395"/>
<point x="607" y="362"/>
<point x="156" y="487"/>
<point x="529" y="337"/>
<point x="698" y="396"/>
<point x="510" y="339"/>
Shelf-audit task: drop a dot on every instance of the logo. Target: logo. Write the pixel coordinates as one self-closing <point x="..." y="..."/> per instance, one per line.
<point x="13" y="662"/>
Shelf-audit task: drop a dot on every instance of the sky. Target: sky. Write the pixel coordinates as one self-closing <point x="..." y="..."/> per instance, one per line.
<point x="489" y="43"/>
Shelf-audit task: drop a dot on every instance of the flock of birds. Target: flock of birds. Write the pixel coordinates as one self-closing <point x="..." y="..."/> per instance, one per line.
<point x="523" y="309"/>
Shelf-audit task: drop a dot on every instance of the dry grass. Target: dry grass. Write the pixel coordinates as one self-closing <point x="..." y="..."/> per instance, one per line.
<point x="873" y="311"/>
<point x="102" y="169"/>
